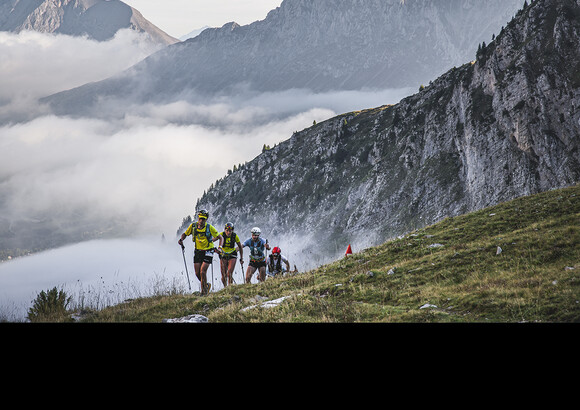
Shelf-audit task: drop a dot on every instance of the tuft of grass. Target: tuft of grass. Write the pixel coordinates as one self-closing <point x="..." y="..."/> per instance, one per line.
<point x="50" y="306"/>
<point x="515" y="262"/>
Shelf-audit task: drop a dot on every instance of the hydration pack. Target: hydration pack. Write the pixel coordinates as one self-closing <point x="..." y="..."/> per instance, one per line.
<point x="278" y="267"/>
<point x="207" y="232"/>
<point x="229" y="242"/>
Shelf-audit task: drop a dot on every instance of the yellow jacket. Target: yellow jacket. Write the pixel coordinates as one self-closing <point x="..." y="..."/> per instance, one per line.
<point x="200" y="238"/>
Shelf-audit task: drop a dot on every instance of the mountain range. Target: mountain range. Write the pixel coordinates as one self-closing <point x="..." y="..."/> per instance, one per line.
<point x="97" y="19"/>
<point x="482" y="132"/>
<point x="318" y="45"/>
<point x="502" y="126"/>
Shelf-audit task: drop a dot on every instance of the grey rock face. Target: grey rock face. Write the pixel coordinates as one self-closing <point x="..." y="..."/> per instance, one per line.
<point x="97" y="19"/>
<point x="502" y="126"/>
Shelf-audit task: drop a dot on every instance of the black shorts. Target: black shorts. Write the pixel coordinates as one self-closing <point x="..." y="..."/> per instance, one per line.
<point x="258" y="264"/>
<point x="201" y="255"/>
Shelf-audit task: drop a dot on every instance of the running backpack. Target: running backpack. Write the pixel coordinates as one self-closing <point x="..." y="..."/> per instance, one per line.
<point x="229" y="242"/>
<point x="278" y="263"/>
<point x="207" y="232"/>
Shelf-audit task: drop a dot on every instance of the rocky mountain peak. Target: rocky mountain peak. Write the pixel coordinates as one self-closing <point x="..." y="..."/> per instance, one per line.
<point x="98" y="19"/>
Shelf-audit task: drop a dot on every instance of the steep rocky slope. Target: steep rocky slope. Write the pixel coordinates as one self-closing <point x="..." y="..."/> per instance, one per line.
<point x="502" y="126"/>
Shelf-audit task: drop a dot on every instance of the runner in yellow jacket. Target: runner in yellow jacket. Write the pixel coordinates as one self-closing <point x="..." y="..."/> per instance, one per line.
<point x="204" y="235"/>
<point x="229" y="254"/>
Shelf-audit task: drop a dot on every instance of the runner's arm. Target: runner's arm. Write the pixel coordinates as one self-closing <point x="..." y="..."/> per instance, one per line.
<point x="185" y="234"/>
<point x="241" y="248"/>
<point x="221" y="238"/>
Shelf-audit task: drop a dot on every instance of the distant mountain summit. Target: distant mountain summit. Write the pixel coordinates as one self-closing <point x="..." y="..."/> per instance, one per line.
<point x="319" y="45"/>
<point x="97" y="19"/>
<point x="193" y="33"/>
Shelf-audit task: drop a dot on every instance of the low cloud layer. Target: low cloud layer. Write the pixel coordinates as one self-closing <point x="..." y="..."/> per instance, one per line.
<point x="149" y="165"/>
<point x="150" y="171"/>
<point x="35" y="65"/>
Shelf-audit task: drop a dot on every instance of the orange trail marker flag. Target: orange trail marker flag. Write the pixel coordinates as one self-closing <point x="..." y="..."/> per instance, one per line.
<point x="348" y="251"/>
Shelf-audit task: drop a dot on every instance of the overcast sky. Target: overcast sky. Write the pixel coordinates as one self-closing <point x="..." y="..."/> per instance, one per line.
<point x="179" y="17"/>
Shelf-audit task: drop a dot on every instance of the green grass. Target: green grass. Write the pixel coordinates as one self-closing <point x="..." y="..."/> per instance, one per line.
<point x="448" y="272"/>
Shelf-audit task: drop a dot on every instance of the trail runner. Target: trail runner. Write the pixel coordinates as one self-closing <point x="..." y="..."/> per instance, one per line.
<point x="275" y="261"/>
<point x="204" y="235"/>
<point x="257" y="247"/>
<point x="229" y="254"/>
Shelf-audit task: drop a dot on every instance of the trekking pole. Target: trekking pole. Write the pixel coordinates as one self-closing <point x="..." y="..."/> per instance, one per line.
<point x="212" y="282"/>
<point x="266" y="252"/>
<point x="185" y="263"/>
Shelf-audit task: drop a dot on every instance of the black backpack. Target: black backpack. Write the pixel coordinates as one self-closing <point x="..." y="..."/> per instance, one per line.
<point x="278" y="263"/>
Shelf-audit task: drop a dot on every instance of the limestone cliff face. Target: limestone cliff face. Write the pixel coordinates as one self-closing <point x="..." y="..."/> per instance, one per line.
<point x="97" y="19"/>
<point x="502" y="126"/>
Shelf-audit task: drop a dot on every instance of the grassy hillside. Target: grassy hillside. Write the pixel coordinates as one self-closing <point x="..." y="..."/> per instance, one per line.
<point x="515" y="262"/>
